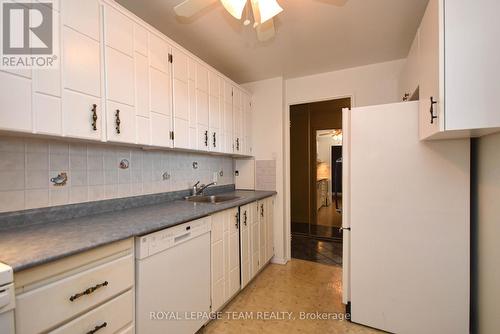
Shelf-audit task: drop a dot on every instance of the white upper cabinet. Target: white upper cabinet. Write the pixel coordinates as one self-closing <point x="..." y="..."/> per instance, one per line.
<point x="215" y="124"/>
<point x="141" y="68"/>
<point x="120" y="76"/>
<point x="459" y="69"/>
<point x="82" y="69"/>
<point x="202" y="108"/>
<point x="15" y="94"/>
<point x="120" y="80"/>
<point x="237" y="121"/>
<point x="180" y="70"/>
<point x="228" y="133"/>
<point x="160" y="91"/>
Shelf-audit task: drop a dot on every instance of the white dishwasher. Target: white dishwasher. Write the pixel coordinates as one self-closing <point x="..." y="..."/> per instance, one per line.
<point x="173" y="279"/>
<point x="7" y="300"/>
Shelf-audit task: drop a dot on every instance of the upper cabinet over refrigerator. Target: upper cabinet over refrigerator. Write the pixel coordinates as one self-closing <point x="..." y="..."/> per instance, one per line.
<point x="459" y="66"/>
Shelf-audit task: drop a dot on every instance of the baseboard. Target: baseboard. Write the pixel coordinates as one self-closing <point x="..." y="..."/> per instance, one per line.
<point x="278" y="260"/>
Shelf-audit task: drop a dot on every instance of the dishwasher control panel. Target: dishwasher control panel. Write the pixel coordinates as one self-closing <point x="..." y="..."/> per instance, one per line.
<point x="159" y="241"/>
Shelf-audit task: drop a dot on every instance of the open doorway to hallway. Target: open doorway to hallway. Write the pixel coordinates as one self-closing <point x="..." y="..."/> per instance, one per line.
<point x="316" y="180"/>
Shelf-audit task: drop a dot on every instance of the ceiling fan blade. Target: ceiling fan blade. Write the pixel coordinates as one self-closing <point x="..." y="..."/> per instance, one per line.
<point x="189" y="8"/>
<point x="265" y="31"/>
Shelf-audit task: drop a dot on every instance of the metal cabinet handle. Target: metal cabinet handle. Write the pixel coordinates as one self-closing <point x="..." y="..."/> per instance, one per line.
<point x="262" y="210"/>
<point x="206" y="138"/>
<point x="245" y="218"/>
<point x="433" y="117"/>
<point x="96" y="328"/>
<point x="237" y="144"/>
<point x="215" y="140"/>
<point x="94" y="117"/>
<point x="88" y="291"/>
<point x="237" y="219"/>
<point x="117" y="122"/>
<point x="406" y="97"/>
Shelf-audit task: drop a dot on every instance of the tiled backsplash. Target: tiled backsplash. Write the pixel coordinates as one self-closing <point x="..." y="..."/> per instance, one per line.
<point x="27" y="166"/>
<point x="265" y="175"/>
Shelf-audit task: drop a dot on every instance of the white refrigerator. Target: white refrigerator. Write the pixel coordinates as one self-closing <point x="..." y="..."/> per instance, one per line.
<point x="406" y="223"/>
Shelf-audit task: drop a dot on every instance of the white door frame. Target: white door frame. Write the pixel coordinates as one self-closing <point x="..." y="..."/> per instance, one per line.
<point x="287" y="181"/>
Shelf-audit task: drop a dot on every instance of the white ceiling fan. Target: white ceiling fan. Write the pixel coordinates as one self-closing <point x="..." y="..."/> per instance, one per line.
<point x="263" y="12"/>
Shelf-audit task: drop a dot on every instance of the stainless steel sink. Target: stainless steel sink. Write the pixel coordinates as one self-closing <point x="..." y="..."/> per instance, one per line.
<point x="212" y="199"/>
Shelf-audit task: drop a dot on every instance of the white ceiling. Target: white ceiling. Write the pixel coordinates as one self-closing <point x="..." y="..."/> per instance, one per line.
<point x="313" y="36"/>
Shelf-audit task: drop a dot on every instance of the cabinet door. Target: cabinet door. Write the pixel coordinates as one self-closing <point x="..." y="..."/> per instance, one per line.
<point x="160" y="130"/>
<point x="245" y="245"/>
<point x="237" y="121"/>
<point x="430" y="68"/>
<point x="217" y="260"/>
<point x="254" y="239"/>
<point x="15" y="95"/>
<point x="158" y="52"/>
<point x="160" y="92"/>
<point x="203" y="135"/>
<point x="263" y="221"/>
<point x="120" y="85"/>
<point x="47" y="114"/>
<point x="141" y="89"/>
<point x="234" y="253"/>
<point x="81" y="63"/>
<point x="141" y="68"/>
<point x="82" y="16"/>
<point x="118" y="31"/>
<point x="181" y="98"/>
<point x="228" y="118"/>
<point x="78" y="112"/>
<point x="121" y="122"/>
<point x="119" y="57"/>
<point x="472" y="65"/>
<point x="202" y="101"/>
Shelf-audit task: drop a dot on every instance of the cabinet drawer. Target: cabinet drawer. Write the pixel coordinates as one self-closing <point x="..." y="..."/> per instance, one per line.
<point x="110" y="317"/>
<point x="47" y="306"/>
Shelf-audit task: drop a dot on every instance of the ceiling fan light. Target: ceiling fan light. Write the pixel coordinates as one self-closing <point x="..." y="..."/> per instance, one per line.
<point x="268" y="9"/>
<point x="234" y="7"/>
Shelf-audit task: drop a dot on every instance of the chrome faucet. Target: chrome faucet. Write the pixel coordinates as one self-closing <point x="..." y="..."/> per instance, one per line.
<point x="198" y="190"/>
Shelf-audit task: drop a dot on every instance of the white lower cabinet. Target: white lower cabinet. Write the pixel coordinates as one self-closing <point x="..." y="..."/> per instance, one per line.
<point x="78" y="294"/>
<point x="110" y="317"/>
<point x="245" y="242"/>
<point x="225" y="257"/>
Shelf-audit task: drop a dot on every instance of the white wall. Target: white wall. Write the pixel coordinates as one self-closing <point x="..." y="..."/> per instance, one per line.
<point x="267" y="107"/>
<point x="368" y="85"/>
<point x="488" y="232"/>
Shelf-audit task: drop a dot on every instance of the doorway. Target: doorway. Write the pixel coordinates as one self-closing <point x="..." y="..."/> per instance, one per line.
<point x="316" y="180"/>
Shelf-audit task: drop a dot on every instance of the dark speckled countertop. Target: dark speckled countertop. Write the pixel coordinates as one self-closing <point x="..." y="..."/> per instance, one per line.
<point x="27" y="245"/>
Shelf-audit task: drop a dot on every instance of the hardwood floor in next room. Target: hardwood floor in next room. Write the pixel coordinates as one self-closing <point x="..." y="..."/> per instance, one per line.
<point x="299" y="286"/>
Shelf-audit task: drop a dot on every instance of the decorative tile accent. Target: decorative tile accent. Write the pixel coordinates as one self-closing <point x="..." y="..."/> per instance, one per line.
<point x="28" y="164"/>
